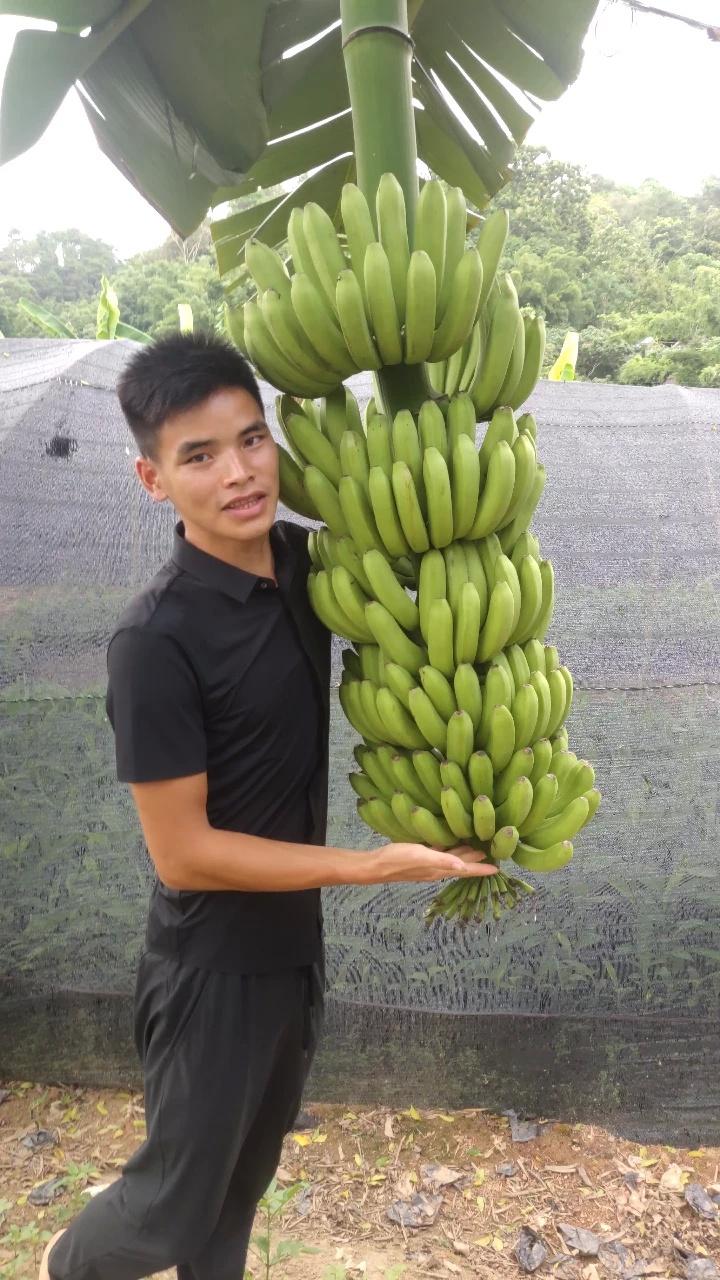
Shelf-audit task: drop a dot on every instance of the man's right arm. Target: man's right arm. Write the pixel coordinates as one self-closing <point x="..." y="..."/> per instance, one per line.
<point x="190" y="854"/>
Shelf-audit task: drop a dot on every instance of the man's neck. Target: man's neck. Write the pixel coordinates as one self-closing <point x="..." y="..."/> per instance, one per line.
<point x="253" y="557"/>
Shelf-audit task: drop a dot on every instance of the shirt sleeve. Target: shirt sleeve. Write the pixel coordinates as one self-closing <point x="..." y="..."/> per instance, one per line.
<point x="155" y="708"/>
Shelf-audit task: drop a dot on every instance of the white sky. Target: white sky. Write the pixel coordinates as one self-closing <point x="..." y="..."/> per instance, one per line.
<point x="646" y="104"/>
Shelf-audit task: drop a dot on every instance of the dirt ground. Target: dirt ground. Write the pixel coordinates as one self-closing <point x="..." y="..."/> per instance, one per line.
<point x="583" y="1203"/>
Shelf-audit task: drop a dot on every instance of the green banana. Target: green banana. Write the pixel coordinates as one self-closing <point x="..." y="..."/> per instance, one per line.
<point x="324" y="495"/>
<point x="525" y="714"/>
<point x="569" y="689"/>
<point x="440" y="637"/>
<point x="267" y="268"/>
<point x="520" y="765"/>
<point x="559" y="741"/>
<point x="497" y="692"/>
<point x="455" y="231"/>
<point x="362" y="786"/>
<point x="468" y="694"/>
<point x="551" y="859"/>
<point x="273" y="363"/>
<point x="427" y="769"/>
<point x="501" y="739"/>
<point x="322" y="599"/>
<point x="490" y="245"/>
<point x="432" y="431"/>
<point x="406" y="448"/>
<point x="459" y="318"/>
<point x="532" y="364"/>
<point x="563" y="826"/>
<point x="359" y="229"/>
<point x="313" y="446"/>
<point x="480" y="774"/>
<point x="544" y="793"/>
<point x="542" y="689"/>
<point x="552" y="657"/>
<point x="516" y="807"/>
<point x="460" y="420"/>
<point x="498" y="352"/>
<point x="476" y="575"/>
<point x="439" y="497"/>
<point x="288" y="335"/>
<point x="351" y="600"/>
<point x="387" y="589"/>
<point x="515" y="366"/>
<point x="358" y="515"/>
<point x="577" y="782"/>
<point x="504" y="843"/>
<point x="420" y="304"/>
<point x="431" y="829"/>
<point x="505" y="571"/>
<point x="500" y="427"/>
<point x="353" y="322"/>
<point x="368" y="702"/>
<point x="395" y="645"/>
<point x="456" y="572"/>
<point x="320" y="325"/>
<point x="593" y="797"/>
<point x="408" y="508"/>
<point x="432" y="585"/>
<point x="379" y="446"/>
<point x="399" y="725"/>
<point x="460" y="738"/>
<point x="408" y="781"/>
<point x="379" y="815"/>
<point x="381" y="304"/>
<point x="400" y="681"/>
<point x="431" y="725"/>
<point x="465" y="486"/>
<point x="393" y="235"/>
<point x="371" y="664"/>
<point x="467" y="625"/>
<point x="354" y="458"/>
<point x="453" y="370"/>
<point x="343" y="552"/>
<point x="527" y="545"/>
<point x="498" y="624"/>
<point x="292" y="488"/>
<point x="534" y="654"/>
<point x="531" y="595"/>
<point x="316" y="561"/>
<point x="472" y="352"/>
<point x="456" y="815"/>
<point x="299" y="251"/>
<point x="542" y="755"/>
<point x="525" y="473"/>
<point x="453" y="776"/>
<point x="511" y="532"/>
<point x="526" y="422"/>
<point x="496" y="492"/>
<point x="324" y="248"/>
<point x="483" y="813"/>
<point x="431" y="227"/>
<point x="349" y="695"/>
<point x="387" y="520"/>
<point x="402" y="806"/>
<point x="558" y="701"/>
<point x="440" y="691"/>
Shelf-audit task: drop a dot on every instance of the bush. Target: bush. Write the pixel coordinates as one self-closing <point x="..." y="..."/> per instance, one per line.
<point x="601" y="353"/>
<point x="710" y="376"/>
<point x="645" y="371"/>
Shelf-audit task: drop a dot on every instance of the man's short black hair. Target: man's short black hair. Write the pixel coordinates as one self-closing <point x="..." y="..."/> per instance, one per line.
<point x="177" y="373"/>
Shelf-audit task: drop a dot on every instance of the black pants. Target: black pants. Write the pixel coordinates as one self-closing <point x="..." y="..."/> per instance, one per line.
<point x="225" y="1058"/>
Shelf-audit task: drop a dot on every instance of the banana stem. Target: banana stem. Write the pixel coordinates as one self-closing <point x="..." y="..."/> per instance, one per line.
<point x="377" y="49"/>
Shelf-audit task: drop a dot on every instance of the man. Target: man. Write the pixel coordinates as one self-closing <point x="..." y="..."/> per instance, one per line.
<point x="218" y="695"/>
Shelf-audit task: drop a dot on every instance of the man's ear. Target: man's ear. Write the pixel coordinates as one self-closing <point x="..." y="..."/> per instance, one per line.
<point x="147" y="473"/>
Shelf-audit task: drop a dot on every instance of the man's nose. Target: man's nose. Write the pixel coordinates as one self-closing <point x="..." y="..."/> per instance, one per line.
<point x="237" y="469"/>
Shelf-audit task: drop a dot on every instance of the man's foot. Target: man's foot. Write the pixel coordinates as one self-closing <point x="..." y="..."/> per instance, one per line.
<point x="44" y="1272"/>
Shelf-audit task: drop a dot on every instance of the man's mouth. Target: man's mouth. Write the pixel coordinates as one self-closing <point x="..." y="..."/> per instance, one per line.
<point x="244" y="503"/>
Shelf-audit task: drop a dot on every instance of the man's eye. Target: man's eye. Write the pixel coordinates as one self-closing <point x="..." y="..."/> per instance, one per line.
<point x="250" y="440"/>
<point x="198" y="457"/>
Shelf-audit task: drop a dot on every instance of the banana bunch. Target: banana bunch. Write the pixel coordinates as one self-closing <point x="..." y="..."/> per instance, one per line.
<point x="368" y="298"/>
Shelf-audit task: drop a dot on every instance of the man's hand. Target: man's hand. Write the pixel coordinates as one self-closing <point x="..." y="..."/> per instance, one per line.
<point x="415" y="862"/>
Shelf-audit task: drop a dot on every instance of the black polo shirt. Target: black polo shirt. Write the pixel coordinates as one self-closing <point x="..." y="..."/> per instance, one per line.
<point x="212" y="669"/>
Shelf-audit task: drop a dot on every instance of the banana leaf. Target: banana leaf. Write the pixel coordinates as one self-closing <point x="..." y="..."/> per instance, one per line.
<point x="200" y="103"/>
<point x="46" y="320"/>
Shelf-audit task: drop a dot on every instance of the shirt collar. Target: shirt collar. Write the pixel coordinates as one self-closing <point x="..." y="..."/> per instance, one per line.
<point x="225" y="577"/>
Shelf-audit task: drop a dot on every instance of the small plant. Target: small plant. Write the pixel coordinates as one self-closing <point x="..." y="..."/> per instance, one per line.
<point x="26" y="1241"/>
<point x="273" y="1203"/>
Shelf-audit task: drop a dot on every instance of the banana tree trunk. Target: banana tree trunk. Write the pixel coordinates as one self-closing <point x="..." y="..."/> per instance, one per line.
<point x="377" y="49"/>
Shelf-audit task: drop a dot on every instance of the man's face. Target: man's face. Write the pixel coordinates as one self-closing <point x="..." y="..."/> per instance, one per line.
<point x="218" y="465"/>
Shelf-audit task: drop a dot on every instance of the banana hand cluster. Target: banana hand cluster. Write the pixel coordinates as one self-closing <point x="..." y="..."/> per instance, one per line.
<point x="406" y="486"/>
<point x="370" y="297"/>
